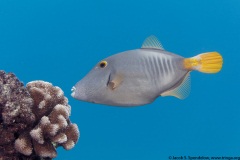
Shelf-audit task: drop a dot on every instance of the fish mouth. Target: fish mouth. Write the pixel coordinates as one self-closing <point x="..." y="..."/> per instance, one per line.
<point x="73" y="91"/>
<point x="78" y="94"/>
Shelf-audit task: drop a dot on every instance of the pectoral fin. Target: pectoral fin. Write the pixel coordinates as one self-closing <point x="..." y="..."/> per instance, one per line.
<point x="181" y="91"/>
<point x="114" y="81"/>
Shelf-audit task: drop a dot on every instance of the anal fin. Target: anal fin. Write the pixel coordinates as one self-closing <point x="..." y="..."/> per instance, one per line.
<point x="181" y="91"/>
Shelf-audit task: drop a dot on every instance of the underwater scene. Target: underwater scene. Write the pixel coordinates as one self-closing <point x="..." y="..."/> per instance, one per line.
<point x="119" y="80"/>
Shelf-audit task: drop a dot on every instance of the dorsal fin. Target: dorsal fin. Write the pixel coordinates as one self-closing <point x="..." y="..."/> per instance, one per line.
<point x="152" y="42"/>
<point x="182" y="91"/>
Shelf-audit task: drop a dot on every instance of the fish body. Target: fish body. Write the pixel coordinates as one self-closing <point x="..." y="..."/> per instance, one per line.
<point x="137" y="77"/>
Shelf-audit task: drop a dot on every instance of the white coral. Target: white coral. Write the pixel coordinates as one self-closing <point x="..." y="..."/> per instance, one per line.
<point x="54" y="129"/>
<point x="37" y="135"/>
<point x="23" y="147"/>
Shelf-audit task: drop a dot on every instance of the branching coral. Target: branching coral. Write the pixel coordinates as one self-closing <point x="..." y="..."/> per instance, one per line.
<point x="34" y="120"/>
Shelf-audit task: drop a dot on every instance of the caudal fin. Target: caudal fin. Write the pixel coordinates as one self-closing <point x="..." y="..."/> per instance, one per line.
<point x="209" y="62"/>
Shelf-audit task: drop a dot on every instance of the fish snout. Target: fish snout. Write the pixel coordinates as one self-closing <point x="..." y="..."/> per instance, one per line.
<point x="78" y="93"/>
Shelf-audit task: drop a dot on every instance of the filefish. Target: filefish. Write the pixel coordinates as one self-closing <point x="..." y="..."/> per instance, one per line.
<point x="137" y="77"/>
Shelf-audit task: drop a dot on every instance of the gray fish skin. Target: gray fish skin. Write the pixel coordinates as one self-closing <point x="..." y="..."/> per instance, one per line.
<point x="145" y="73"/>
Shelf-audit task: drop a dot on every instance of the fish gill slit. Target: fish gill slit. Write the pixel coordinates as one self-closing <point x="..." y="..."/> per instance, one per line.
<point x="109" y="77"/>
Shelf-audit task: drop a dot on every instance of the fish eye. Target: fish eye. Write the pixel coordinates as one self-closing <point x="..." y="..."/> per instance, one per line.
<point x="103" y="64"/>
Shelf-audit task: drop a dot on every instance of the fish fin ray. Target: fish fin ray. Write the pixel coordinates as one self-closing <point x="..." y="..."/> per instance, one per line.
<point x="182" y="91"/>
<point x="152" y="42"/>
<point x="210" y="62"/>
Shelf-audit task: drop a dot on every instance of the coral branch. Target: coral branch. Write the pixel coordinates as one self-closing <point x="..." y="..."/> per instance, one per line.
<point x="24" y="144"/>
<point x="72" y="133"/>
<point x="45" y="97"/>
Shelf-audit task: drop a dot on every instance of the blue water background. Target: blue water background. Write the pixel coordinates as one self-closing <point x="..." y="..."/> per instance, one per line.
<point x="60" y="41"/>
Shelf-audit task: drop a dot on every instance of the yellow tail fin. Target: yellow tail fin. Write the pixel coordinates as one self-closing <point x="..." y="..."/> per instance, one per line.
<point x="210" y="62"/>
